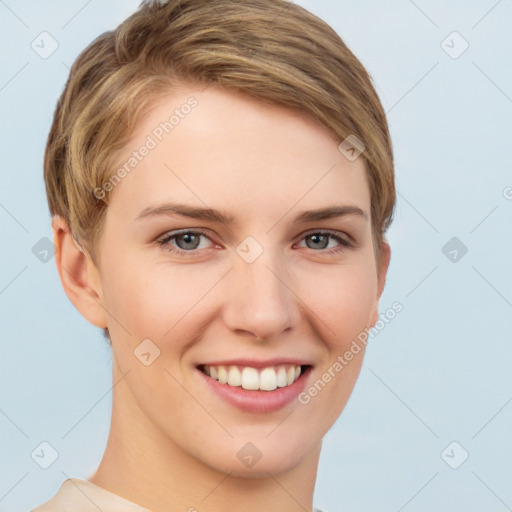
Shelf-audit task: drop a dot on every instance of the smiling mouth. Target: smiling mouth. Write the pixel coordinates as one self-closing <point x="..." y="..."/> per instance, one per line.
<point x="256" y="379"/>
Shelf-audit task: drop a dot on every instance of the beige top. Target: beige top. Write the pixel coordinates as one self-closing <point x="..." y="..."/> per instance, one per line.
<point x="77" y="495"/>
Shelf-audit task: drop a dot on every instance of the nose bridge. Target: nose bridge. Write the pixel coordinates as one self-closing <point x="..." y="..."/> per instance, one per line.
<point x="261" y="301"/>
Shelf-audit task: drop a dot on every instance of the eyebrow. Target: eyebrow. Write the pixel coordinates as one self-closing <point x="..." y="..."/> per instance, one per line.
<point x="209" y="214"/>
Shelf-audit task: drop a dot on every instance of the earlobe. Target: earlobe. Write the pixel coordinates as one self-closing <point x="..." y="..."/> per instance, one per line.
<point x="385" y="256"/>
<point x="78" y="274"/>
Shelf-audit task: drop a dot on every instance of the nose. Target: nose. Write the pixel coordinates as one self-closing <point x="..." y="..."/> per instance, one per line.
<point x="261" y="300"/>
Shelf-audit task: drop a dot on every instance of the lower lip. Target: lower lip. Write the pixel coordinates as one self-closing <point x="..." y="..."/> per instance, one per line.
<point x="255" y="400"/>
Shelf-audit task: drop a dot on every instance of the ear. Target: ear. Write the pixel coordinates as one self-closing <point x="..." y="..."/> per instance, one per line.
<point x="383" y="264"/>
<point x="78" y="274"/>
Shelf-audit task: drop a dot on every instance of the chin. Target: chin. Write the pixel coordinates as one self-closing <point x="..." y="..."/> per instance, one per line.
<point x="262" y="458"/>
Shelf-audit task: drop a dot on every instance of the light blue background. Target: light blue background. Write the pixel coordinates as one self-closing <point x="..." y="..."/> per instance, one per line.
<point x="439" y="372"/>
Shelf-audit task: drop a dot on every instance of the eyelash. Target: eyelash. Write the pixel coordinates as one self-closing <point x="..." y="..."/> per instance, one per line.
<point x="164" y="242"/>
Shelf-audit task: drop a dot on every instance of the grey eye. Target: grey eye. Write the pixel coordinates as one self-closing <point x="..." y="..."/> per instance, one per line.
<point x="318" y="238"/>
<point x="188" y="238"/>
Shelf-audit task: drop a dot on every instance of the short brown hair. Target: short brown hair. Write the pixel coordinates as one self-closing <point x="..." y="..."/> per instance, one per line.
<point x="271" y="50"/>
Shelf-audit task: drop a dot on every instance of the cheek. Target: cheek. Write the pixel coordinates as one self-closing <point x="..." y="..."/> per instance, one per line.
<point x="150" y="300"/>
<point x="344" y="309"/>
<point x="342" y="299"/>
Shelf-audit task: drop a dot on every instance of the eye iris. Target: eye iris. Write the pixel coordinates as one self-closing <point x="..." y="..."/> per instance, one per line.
<point x="317" y="236"/>
<point x="188" y="236"/>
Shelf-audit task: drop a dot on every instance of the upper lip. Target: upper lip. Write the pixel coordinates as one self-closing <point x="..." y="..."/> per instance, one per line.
<point x="253" y="363"/>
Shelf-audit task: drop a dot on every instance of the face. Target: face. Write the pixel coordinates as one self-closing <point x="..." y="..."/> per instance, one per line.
<point x="212" y="261"/>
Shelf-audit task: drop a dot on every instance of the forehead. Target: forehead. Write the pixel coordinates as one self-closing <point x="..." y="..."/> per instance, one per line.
<point x="217" y="148"/>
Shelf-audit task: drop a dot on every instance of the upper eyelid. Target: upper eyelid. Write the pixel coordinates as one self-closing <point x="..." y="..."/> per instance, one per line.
<point x="174" y="233"/>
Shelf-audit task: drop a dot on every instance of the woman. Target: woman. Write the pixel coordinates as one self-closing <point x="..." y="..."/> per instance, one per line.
<point x="220" y="176"/>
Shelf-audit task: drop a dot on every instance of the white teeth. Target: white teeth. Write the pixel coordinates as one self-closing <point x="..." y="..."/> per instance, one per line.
<point x="250" y="378"/>
<point x="222" y="375"/>
<point x="282" y="381"/>
<point x="234" y="376"/>
<point x="266" y="379"/>
<point x="290" y="375"/>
